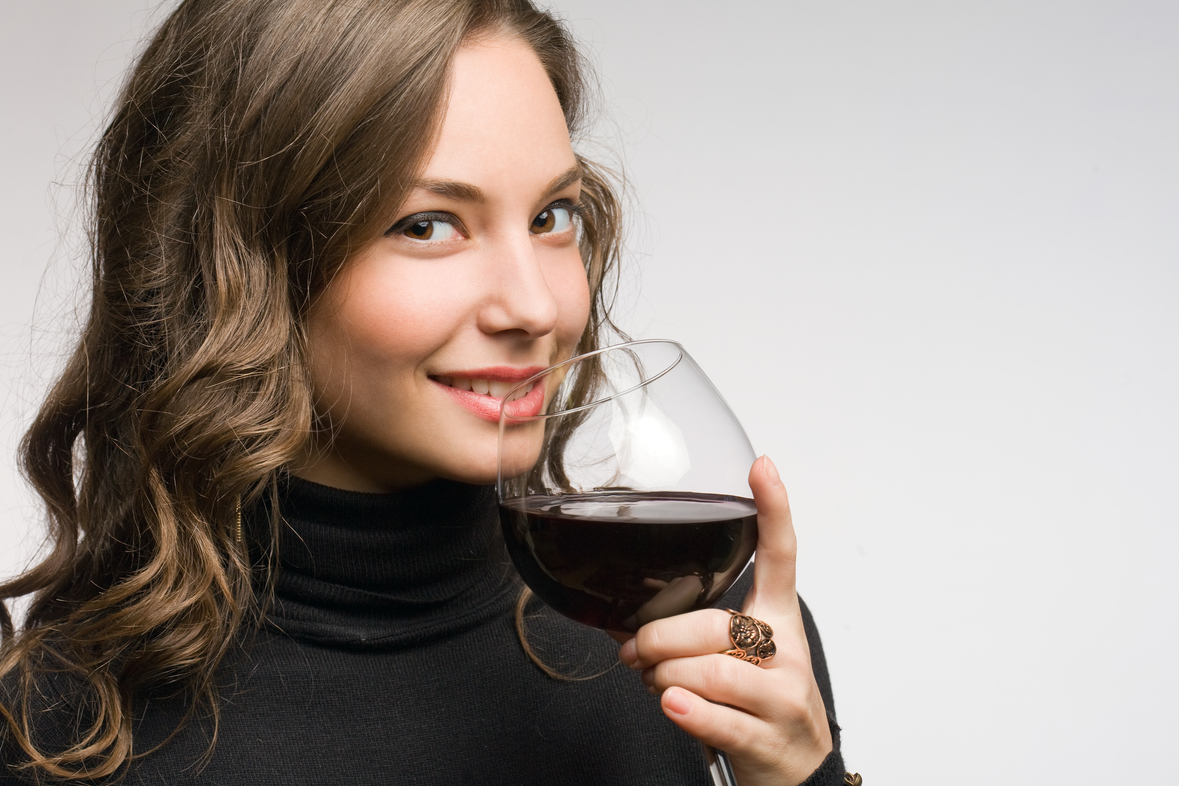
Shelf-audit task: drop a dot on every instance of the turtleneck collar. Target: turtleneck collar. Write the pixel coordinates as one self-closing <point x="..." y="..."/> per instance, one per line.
<point x="387" y="570"/>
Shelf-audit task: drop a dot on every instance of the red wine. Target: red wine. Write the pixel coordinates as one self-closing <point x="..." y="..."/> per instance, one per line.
<point x="617" y="560"/>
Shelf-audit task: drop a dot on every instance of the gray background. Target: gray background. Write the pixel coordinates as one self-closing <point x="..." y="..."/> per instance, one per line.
<point x="928" y="251"/>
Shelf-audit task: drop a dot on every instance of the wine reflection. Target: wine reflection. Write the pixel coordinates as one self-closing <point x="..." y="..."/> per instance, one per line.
<point x="672" y="597"/>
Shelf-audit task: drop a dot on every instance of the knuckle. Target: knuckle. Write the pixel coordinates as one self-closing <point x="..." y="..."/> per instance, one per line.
<point x="796" y="705"/>
<point x="667" y="673"/>
<point x="719" y="672"/>
<point x="650" y="643"/>
<point x="783" y="549"/>
<point x="787" y="545"/>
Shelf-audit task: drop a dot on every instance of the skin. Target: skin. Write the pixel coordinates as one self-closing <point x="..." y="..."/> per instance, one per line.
<point x="465" y="281"/>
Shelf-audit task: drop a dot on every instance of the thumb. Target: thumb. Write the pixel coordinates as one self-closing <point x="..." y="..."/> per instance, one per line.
<point x="774" y="567"/>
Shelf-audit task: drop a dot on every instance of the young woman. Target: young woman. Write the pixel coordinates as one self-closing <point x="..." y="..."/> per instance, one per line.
<point x="327" y="234"/>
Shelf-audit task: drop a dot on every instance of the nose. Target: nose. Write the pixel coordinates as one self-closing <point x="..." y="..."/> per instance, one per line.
<point x="519" y="298"/>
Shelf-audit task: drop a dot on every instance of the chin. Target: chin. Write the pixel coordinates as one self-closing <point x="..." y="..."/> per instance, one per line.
<point x="481" y="467"/>
<point x="522" y="450"/>
<point x="477" y="465"/>
<point x="476" y="476"/>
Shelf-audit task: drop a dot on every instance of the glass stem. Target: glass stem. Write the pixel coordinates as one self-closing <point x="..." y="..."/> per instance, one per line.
<point x="719" y="767"/>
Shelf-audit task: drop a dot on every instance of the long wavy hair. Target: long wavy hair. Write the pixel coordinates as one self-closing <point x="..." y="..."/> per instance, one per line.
<point x="256" y="145"/>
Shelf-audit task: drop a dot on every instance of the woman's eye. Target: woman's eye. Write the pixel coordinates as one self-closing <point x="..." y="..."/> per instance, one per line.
<point x="554" y="218"/>
<point x="430" y="229"/>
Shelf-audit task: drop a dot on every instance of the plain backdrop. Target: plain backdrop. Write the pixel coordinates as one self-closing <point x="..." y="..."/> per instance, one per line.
<point x="929" y="251"/>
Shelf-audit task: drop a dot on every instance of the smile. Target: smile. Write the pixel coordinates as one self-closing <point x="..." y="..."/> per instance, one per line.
<point x="485" y="387"/>
<point x="484" y="394"/>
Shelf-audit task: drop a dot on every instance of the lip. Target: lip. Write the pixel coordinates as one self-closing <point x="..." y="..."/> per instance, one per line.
<point x="498" y="373"/>
<point x="487" y="407"/>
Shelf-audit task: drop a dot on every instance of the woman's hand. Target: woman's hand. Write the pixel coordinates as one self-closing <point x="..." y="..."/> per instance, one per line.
<point x="770" y="718"/>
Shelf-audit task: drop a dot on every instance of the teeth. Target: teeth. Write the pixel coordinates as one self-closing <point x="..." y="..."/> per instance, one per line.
<point x="487" y="387"/>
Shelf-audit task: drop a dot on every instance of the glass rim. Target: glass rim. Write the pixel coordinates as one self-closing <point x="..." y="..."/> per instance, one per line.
<point x="682" y="353"/>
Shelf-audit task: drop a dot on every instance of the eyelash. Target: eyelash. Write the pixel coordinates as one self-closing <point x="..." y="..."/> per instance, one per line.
<point x="422" y="218"/>
<point x="575" y="209"/>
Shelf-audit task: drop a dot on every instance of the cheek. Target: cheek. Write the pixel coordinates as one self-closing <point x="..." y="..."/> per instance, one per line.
<point x="570" y="287"/>
<point x="394" y="322"/>
<point x="366" y="325"/>
<point x="392" y="310"/>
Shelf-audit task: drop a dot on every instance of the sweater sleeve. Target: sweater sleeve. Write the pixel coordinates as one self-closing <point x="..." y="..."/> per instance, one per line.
<point x="831" y="771"/>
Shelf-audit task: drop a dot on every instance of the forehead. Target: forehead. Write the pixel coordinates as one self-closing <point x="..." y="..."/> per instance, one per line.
<point x="502" y="119"/>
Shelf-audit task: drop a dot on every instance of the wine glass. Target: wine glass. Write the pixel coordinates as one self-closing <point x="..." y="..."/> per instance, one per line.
<point x="623" y="489"/>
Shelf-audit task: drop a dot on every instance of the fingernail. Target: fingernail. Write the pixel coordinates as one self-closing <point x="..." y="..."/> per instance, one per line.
<point x="772" y="471"/>
<point x="628" y="653"/>
<point x="676" y="701"/>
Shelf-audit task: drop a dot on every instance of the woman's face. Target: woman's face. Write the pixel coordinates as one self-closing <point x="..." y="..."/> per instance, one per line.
<point x="477" y="284"/>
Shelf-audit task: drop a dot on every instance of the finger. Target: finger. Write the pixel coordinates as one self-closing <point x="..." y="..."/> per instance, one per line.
<point x="706" y="632"/>
<point x="759" y="752"/>
<point x="721" y="727"/>
<point x="773" y="590"/>
<point x="724" y="680"/>
<point x="696" y="633"/>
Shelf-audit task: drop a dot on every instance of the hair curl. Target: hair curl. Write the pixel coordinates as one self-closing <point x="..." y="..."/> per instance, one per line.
<point x="256" y="145"/>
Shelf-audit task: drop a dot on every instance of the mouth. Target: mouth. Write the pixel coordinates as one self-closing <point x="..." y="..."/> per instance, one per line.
<point x="493" y="388"/>
<point x="485" y="392"/>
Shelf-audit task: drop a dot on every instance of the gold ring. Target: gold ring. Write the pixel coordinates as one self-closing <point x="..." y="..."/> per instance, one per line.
<point x="753" y="640"/>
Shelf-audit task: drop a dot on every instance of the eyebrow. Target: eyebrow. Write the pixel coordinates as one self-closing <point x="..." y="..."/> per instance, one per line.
<point x="465" y="192"/>
<point x="564" y="180"/>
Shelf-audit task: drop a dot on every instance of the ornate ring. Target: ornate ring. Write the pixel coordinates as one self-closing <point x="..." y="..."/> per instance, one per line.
<point x="753" y="640"/>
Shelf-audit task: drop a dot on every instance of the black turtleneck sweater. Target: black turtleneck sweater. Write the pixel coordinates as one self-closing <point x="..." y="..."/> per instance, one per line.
<point x="391" y="657"/>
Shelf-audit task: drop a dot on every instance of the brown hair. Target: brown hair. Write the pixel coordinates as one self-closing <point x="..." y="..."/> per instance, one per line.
<point x="256" y="145"/>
